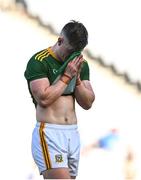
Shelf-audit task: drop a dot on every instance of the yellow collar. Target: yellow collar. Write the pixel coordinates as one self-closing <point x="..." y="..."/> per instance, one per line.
<point x="52" y="53"/>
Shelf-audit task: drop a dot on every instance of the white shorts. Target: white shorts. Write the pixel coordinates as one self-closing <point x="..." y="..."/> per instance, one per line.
<point x="56" y="146"/>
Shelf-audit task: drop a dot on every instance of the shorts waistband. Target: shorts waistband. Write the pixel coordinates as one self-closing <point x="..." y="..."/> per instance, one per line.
<point x="57" y="126"/>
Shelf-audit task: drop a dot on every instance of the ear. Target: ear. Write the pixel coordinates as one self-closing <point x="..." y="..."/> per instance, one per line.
<point x="60" y="40"/>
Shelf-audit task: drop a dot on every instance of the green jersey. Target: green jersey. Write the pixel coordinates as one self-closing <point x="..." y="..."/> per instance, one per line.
<point x="44" y="64"/>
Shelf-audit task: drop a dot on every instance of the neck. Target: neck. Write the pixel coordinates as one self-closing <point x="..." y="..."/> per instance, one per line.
<point x="57" y="53"/>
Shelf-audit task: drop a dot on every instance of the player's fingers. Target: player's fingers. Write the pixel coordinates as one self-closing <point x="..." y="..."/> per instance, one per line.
<point x="80" y="66"/>
<point x="78" y="60"/>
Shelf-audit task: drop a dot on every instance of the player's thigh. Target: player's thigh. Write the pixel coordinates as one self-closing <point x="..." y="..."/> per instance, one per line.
<point x="56" y="173"/>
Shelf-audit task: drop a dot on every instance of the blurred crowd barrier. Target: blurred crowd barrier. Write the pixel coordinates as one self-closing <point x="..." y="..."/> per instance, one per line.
<point x="13" y="4"/>
<point x="6" y="3"/>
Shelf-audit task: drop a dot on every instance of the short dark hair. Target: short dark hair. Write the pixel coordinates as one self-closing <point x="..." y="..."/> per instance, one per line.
<point x="77" y="35"/>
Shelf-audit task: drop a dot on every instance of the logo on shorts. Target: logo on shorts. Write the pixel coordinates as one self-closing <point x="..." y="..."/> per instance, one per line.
<point x="59" y="158"/>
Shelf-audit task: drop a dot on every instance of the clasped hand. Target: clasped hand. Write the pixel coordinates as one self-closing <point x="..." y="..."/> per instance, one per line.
<point x="74" y="67"/>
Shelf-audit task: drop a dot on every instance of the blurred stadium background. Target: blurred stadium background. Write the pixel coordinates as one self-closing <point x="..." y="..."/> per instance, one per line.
<point x="26" y="26"/>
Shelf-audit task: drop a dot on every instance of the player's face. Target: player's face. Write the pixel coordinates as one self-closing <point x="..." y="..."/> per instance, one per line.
<point x="65" y="47"/>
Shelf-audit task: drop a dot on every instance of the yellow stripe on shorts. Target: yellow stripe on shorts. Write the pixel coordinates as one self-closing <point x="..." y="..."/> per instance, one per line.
<point x="44" y="147"/>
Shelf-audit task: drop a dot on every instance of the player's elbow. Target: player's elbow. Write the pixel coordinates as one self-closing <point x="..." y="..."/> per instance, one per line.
<point x="89" y="103"/>
<point x="43" y="103"/>
<point x="87" y="106"/>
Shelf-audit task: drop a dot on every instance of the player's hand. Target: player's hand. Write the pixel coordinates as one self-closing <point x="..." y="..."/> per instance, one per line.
<point x="73" y="68"/>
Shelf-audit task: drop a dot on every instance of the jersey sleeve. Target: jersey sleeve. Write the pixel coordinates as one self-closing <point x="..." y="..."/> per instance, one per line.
<point x="84" y="74"/>
<point x="35" y="70"/>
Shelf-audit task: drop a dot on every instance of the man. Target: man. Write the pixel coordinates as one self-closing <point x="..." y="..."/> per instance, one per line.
<point x="107" y="142"/>
<point x="57" y="76"/>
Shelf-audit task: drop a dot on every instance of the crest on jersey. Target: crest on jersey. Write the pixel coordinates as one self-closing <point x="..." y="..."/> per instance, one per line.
<point x="54" y="71"/>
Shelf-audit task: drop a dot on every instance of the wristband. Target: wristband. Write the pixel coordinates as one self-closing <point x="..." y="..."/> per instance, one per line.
<point x="78" y="81"/>
<point x="65" y="78"/>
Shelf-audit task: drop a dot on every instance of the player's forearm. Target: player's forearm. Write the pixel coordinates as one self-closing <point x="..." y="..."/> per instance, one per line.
<point x="51" y="94"/>
<point x="84" y="96"/>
